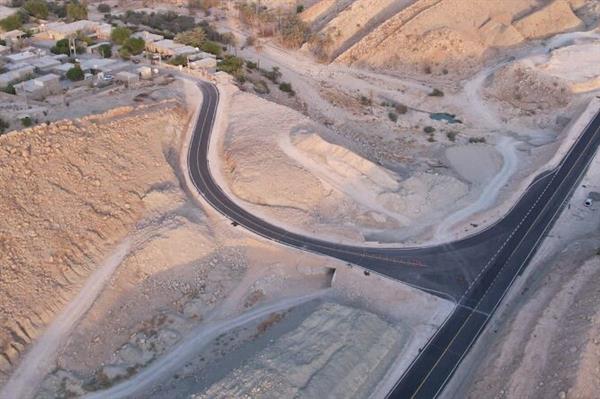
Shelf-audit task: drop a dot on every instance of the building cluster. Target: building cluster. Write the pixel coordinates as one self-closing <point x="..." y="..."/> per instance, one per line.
<point x="29" y="68"/>
<point x="62" y="30"/>
<point x="162" y="47"/>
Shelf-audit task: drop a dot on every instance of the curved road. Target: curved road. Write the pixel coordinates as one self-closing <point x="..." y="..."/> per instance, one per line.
<point x="474" y="272"/>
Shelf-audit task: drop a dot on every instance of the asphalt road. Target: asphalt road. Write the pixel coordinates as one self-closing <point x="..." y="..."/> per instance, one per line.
<point x="474" y="272"/>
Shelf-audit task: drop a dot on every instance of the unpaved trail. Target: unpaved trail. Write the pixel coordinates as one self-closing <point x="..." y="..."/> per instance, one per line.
<point x="507" y="147"/>
<point x="40" y="359"/>
<point x="197" y="339"/>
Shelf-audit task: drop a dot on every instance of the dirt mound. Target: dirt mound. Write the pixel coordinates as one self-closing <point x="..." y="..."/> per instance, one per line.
<point x="526" y="89"/>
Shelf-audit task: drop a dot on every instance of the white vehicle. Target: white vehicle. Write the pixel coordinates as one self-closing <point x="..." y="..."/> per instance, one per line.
<point x="588" y="202"/>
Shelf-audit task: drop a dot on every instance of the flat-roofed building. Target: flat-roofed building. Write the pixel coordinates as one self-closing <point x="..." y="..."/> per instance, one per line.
<point x="12" y="36"/>
<point x="15" y="75"/>
<point x="45" y="63"/>
<point x="39" y="88"/>
<point x="62" y="69"/>
<point x="169" y="48"/>
<point x="127" y="77"/>
<point x="21" y="57"/>
<point x="97" y="64"/>
<point x="148" y="36"/>
<point x="61" y="30"/>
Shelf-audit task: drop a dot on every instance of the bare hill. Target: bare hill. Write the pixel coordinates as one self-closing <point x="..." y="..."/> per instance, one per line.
<point x="435" y="36"/>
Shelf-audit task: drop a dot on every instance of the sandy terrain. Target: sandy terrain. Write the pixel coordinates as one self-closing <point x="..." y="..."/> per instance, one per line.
<point x="543" y="342"/>
<point x="277" y="162"/>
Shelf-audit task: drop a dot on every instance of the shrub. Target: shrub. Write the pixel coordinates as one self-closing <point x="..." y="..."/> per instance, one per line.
<point x="299" y="8"/>
<point x="232" y="65"/>
<point x="286" y="88"/>
<point x="105" y="50"/>
<point x="37" y="8"/>
<point x="75" y="74"/>
<point x="261" y="87"/>
<point x="135" y="45"/>
<point x="179" y="60"/>
<point x="168" y="22"/>
<point x="212" y="47"/>
<point x="26" y="121"/>
<point x="251" y="65"/>
<point x="124" y="53"/>
<point x="393" y="116"/>
<point x="10" y="89"/>
<point x="364" y="100"/>
<point x="250" y="40"/>
<point x="475" y="140"/>
<point x="3" y="125"/>
<point x="293" y="32"/>
<point x="401" y="109"/>
<point x="103" y="8"/>
<point x="120" y="34"/>
<point x="429" y="129"/>
<point x="320" y="45"/>
<point x="195" y="37"/>
<point x="273" y="75"/>
<point x="436" y="93"/>
<point x="11" y="22"/>
<point x="60" y="10"/>
<point x="451" y="136"/>
<point x="76" y="11"/>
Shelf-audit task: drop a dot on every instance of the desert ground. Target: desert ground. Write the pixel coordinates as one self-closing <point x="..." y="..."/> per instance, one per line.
<point x="410" y="123"/>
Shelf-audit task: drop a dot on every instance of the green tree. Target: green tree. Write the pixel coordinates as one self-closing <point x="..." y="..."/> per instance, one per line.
<point x="75" y="74"/>
<point x="195" y="37"/>
<point x="76" y="11"/>
<point x="12" y="22"/>
<point x="37" y="8"/>
<point x="135" y="45"/>
<point x="178" y="60"/>
<point x="61" y="47"/>
<point x="105" y="50"/>
<point x="120" y="34"/>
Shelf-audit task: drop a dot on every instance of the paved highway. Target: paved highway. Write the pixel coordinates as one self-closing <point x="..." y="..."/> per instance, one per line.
<point x="475" y="272"/>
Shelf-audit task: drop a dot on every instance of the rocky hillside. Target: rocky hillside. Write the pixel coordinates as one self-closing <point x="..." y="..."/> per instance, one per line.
<point x="71" y="190"/>
<point x="435" y="36"/>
